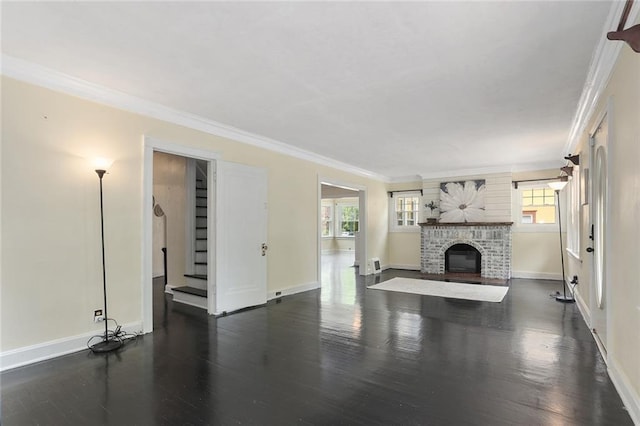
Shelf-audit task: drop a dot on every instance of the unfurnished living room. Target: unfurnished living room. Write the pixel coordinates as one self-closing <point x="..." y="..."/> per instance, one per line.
<point x="273" y="213"/>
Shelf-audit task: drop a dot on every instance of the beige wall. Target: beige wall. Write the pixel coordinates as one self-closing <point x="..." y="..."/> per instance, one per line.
<point x="623" y="265"/>
<point x="50" y="217"/>
<point x="169" y="191"/>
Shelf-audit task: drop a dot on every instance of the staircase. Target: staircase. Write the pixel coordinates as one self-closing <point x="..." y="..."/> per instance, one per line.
<point x="195" y="292"/>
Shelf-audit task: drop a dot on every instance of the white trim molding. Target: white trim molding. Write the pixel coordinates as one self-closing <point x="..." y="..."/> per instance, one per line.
<point x="275" y="294"/>
<point x="29" y="72"/>
<point x="451" y="173"/>
<point x="628" y="394"/>
<point x="55" y="348"/>
<point x="536" y="275"/>
<point x="602" y="63"/>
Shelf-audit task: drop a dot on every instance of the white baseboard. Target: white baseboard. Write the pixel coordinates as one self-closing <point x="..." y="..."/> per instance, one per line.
<point x="583" y="308"/>
<point x="54" y="348"/>
<point x="536" y="275"/>
<point x="293" y="290"/>
<point x="401" y="266"/>
<point x="628" y="394"/>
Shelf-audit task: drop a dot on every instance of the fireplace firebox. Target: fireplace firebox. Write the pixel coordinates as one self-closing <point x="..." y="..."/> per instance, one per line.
<point x="462" y="258"/>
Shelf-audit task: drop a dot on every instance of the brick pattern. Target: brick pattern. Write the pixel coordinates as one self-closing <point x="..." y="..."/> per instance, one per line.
<point x="492" y="241"/>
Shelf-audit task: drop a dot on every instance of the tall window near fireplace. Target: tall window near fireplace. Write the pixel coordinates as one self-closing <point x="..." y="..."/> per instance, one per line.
<point x="462" y="258"/>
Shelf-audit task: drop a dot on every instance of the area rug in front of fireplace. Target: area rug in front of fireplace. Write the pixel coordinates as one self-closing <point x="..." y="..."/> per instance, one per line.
<point x="453" y="290"/>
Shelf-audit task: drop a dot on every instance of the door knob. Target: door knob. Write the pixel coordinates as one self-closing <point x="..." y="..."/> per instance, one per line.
<point x="589" y="249"/>
<point x="264" y="248"/>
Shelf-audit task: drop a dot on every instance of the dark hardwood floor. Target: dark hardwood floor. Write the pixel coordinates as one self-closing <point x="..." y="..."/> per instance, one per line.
<point x="343" y="355"/>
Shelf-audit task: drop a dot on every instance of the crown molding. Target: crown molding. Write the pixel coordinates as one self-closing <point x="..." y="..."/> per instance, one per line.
<point x="45" y="77"/>
<point x="491" y="170"/>
<point x="602" y="63"/>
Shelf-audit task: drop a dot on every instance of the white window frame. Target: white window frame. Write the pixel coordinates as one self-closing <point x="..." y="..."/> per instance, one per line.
<point x="573" y="213"/>
<point x="332" y="214"/>
<point x="393" y="225"/>
<point x="337" y="214"/>
<point x="518" y="225"/>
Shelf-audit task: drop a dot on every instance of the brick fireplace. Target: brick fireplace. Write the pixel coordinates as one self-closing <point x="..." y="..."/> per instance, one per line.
<point x="491" y="239"/>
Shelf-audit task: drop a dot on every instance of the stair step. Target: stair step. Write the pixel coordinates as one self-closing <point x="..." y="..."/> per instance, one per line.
<point x="191" y="290"/>
<point x="196" y="276"/>
<point x="190" y="296"/>
<point x="200" y="282"/>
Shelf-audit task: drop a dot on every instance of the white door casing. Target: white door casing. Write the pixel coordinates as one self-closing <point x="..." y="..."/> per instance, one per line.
<point x="598" y="213"/>
<point x="241" y="232"/>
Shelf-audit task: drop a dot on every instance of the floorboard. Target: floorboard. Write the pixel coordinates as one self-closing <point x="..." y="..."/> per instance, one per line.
<point x="339" y="355"/>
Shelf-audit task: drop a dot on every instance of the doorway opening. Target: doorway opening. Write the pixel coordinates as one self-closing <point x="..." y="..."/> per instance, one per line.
<point x="342" y="237"/>
<point x="180" y="229"/>
<point x="170" y="222"/>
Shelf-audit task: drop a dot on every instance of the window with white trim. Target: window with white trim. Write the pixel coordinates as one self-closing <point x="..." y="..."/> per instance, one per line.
<point x="404" y="212"/>
<point x="573" y="215"/>
<point x="348" y="218"/>
<point x="326" y="219"/>
<point x="534" y="208"/>
<point x="538" y="205"/>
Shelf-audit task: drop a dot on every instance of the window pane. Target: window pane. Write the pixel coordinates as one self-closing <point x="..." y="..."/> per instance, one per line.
<point x="538" y="205"/>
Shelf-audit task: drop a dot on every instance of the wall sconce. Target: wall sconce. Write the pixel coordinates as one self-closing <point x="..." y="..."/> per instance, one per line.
<point x="631" y="35"/>
<point x="575" y="159"/>
<point x="568" y="170"/>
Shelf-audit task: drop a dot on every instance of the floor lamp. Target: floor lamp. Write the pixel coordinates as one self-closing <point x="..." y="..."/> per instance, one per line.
<point x="557" y="187"/>
<point x="109" y="343"/>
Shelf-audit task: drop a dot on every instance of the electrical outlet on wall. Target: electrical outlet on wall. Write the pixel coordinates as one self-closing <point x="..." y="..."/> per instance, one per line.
<point x="97" y="315"/>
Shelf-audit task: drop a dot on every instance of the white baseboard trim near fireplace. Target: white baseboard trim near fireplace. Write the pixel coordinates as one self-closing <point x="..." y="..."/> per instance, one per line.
<point x="629" y="396"/>
<point x="536" y="275"/>
<point x="55" y="348"/>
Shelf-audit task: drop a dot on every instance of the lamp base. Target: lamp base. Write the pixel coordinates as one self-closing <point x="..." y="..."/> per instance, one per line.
<point x="106" y="346"/>
<point x="565" y="299"/>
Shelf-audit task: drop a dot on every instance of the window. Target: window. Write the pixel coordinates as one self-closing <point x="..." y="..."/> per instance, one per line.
<point x="348" y="220"/>
<point x="326" y="215"/>
<point x="406" y="211"/>
<point x="538" y="205"/>
<point x="573" y="213"/>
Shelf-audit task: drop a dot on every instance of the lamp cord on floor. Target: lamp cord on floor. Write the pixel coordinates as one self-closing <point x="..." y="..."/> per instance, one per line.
<point x="118" y="334"/>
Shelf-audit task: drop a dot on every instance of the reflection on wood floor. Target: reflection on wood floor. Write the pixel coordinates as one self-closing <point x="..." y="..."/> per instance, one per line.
<point x="341" y="354"/>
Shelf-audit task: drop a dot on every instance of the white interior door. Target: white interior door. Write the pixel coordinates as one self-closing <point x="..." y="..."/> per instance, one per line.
<point x="241" y="236"/>
<point x="599" y="227"/>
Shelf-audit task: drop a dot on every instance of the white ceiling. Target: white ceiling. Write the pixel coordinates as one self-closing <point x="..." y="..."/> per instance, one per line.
<point x="398" y="89"/>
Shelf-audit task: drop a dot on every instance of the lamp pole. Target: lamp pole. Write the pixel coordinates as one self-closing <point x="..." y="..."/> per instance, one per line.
<point x="564" y="298"/>
<point x="107" y="344"/>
